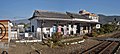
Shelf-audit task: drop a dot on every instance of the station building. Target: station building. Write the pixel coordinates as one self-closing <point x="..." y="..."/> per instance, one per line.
<point x="45" y="23"/>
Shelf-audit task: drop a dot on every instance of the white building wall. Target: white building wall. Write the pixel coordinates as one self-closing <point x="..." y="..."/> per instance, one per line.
<point x="14" y="35"/>
<point x="47" y="23"/>
<point x="94" y="18"/>
<point x="9" y="31"/>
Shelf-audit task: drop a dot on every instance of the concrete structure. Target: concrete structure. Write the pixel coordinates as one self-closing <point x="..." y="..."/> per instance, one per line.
<point x="21" y="28"/>
<point x="66" y="23"/>
<point x="14" y="35"/>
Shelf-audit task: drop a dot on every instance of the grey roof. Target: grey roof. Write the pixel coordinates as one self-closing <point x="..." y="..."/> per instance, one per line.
<point x="75" y="15"/>
<point x="50" y="14"/>
<point x="47" y="14"/>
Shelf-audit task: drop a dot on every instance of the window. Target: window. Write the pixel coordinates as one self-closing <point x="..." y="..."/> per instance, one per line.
<point x="32" y="28"/>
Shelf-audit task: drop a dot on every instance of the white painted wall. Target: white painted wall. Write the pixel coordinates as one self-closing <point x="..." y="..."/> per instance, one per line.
<point x="9" y="31"/>
<point x="94" y="18"/>
<point x="14" y="35"/>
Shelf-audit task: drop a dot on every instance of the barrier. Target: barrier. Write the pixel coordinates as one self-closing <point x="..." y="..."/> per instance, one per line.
<point x="22" y="41"/>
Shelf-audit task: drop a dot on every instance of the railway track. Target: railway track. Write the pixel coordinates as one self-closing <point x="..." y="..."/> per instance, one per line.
<point x="117" y="35"/>
<point x="103" y="48"/>
<point x="110" y="49"/>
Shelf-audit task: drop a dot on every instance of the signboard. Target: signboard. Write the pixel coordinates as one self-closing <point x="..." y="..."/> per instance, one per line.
<point x="26" y="34"/>
<point x="97" y="26"/>
<point x="4" y="30"/>
<point x="5" y="33"/>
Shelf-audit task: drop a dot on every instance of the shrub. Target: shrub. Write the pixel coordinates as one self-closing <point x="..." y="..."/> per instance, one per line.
<point x="101" y="31"/>
<point x="56" y="37"/>
<point x="55" y="40"/>
<point x="94" y="34"/>
<point x="109" y="28"/>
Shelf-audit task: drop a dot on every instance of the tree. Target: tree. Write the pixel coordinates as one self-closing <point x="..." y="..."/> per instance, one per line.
<point x="108" y="28"/>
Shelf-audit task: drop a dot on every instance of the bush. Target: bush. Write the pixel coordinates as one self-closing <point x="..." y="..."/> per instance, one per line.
<point x="109" y="28"/>
<point x="94" y="34"/>
<point x="55" y="40"/>
<point x="101" y="31"/>
<point x="56" y="37"/>
<point x="59" y="44"/>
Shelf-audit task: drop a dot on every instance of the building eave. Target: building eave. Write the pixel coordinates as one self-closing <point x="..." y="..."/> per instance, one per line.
<point x="72" y="19"/>
<point x="5" y="21"/>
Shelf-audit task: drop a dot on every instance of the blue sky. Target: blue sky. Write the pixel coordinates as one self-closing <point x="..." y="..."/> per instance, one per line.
<point x="24" y="8"/>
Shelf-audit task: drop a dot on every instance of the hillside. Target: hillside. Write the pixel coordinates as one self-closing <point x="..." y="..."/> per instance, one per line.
<point x="21" y="21"/>
<point x="104" y="19"/>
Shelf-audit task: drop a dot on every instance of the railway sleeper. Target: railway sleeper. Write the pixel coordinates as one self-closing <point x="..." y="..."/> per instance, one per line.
<point x="100" y="48"/>
<point x="109" y="49"/>
<point x="94" y="49"/>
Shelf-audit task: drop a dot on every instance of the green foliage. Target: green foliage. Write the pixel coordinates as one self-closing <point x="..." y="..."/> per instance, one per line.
<point x="26" y="25"/>
<point x="101" y="31"/>
<point x="107" y="28"/>
<point x="59" y="44"/>
<point x="56" y="37"/>
<point x="50" y="43"/>
<point x="94" y="34"/>
<point x="55" y="40"/>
